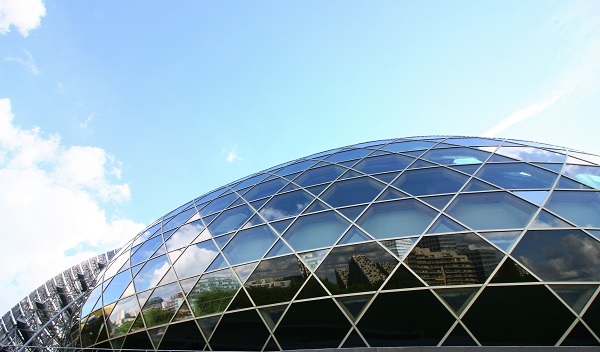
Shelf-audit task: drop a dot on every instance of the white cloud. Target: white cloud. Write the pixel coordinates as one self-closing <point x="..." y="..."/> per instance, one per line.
<point x="232" y="156"/>
<point x="51" y="200"/>
<point x="25" y="15"/>
<point x="28" y="61"/>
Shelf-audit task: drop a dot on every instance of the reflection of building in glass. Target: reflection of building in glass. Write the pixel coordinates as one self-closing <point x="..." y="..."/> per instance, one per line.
<point x="405" y="242"/>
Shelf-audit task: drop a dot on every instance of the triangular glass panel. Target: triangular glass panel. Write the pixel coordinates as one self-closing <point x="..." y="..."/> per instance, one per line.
<point x="387" y="178"/>
<point x="354" y="235"/>
<point x="414" y="153"/>
<point x="551" y="167"/>
<point x="128" y="291"/>
<point x="437" y="202"/>
<point x="280" y="226"/>
<point x="218" y="263"/>
<point x="457" y="298"/>
<point x="400" y="247"/>
<point x="203" y="236"/>
<point x="207" y="325"/>
<point x="468" y="169"/>
<point x="587" y="157"/>
<point x="292" y="176"/>
<point x="256" y="220"/>
<point x="580" y="336"/>
<point x="240" y="301"/>
<point x="192" y="219"/>
<point x="392" y="193"/>
<point x="500" y="159"/>
<point x="402" y="278"/>
<point x="138" y="324"/>
<point x="510" y="271"/>
<point x="379" y="152"/>
<point x="271" y="345"/>
<point x="476" y="185"/>
<point x="566" y="183"/>
<point x="444" y="224"/>
<point x="184" y="313"/>
<point x="280" y="248"/>
<point x="576" y="296"/>
<point x="259" y="203"/>
<point x="289" y="187"/>
<point x="208" y="219"/>
<point x="459" y="337"/>
<point x="117" y="343"/>
<point x="595" y="233"/>
<point x="143" y="297"/>
<point x="188" y="284"/>
<point x="237" y="202"/>
<point x="222" y="240"/>
<point x="316" y="206"/>
<point x="577" y="161"/>
<point x="272" y="177"/>
<point x="243" y="271"/>
<point x="348" y="163"/>
<point x="354" y="305"/>
<point x="272" y="314"/>
<point x="349" y="174"/>
<point x="168" y="278"/>
<point x="314" y="258"/>
<point x="160" y="251"/>
<point x="536" y="197"/>
<point x="316" y="190"/>
<point x="503" y="239"/>
<point x="545" y="220"/>
<point x="353" y="340"/>
<point x="136" y="269"/>
<point x="174" y="255"/>
<point x="312" y="289"/>
<point x="353" y="212"/>
<point x="421" y="163"/>
<point x="183" y="336"/>
<point x="156" y="335"/>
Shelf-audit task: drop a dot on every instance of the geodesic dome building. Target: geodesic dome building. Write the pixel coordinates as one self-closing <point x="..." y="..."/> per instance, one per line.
<point x="426" y="241"/>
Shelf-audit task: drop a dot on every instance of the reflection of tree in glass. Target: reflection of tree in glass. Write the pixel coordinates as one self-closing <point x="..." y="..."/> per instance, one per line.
<point x="157" y="316"/>
<point x="123" y="328"/>
<point x="209" y="302"/>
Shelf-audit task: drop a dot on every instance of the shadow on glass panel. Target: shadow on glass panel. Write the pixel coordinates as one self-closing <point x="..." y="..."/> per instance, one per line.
<point x="461" y="259"/>
<point x="356" y="268"/>
<point x="213" y="292"/>
<point x="560" y="255"/>
<point x="276" y="280"/>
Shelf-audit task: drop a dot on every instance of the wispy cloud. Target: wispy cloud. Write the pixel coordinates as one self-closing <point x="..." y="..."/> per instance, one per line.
<point x="84" y="124"/>
<point x="232" y="157"/>
<point x="25" y="15"/>
<point x="27" y="61"/>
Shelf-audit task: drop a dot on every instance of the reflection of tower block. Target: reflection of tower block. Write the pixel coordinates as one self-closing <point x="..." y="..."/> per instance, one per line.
<point x="303" y="269"/>
<point x="363" y="271"/>
<point x="341" y="276"/>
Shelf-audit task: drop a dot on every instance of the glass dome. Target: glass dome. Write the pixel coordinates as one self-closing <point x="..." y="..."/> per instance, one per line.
<point x="419" y="241"/>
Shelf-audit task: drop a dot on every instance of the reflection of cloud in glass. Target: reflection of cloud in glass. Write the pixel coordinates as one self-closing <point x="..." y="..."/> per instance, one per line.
<point x="531" y="154"/>
<point x="184" y="235"/>
<point x="151" y="273"/>
<point x="560" y="255"/>
<point x="588" y="175"/>
<point x="195" y="259"/>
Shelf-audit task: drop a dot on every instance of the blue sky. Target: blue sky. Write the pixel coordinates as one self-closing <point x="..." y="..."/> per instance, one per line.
<point x="114" y="113"/>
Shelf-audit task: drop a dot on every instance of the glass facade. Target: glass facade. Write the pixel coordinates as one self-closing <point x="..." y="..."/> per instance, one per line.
<point x="423" y="241"/>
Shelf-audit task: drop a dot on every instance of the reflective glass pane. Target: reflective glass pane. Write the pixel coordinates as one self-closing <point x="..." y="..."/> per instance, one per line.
<point x="184" y="235"/>
<point x="588" y="175"/>
<point x="151" y="273"/>
<point x="210" y="196"/>
<point x="576" y="296"/>
<point x="218" y="204"/>
<point x="91" y="301"/>
<point x="456" y="156"/>
<point x="320" y="175"/>
<point x="487" y="211"/>
<point x="348" y="155"/>
<point x="249" y="245"/>
<point x="230" y="220"/>
<point x="241" y="331"/>
<point x="581" y="208"/>
<point x="461" y="259"/>
<point x="285" y="205"/>
<point x="430" y="181"/>
<point x="276" y="280"/>
<point x="213" y="292"/>
<point x="355" y="191"/>
<point x="396" y="219"/>
<point x="162" y="305"/>
<point x="316" y="230"/>
<point x="389" y="323"/>
<point x="531" y="154"/>
<point x="406" y="146"/>
<point x="290" y="169"/>
<point x="356" y="268"/>
<point x="122" y="316"/>
<point x="457" y="298"/>
<point x="560" y="255"/>
<point x="116" y="287"/>
<point x="91" y="329"/>
<point x="145" y="250"/>
<point x="474" y="142"/>
<point x="250" y="182"/>
<point x="301" y="328"/>
<point x="384" y="163"/>
<point x="183" y="336"/>
<point x="195" y="259"/>
<point x="265" y="189"/>
<point x="179" y="219"/>
<point x="517" y="176"/>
